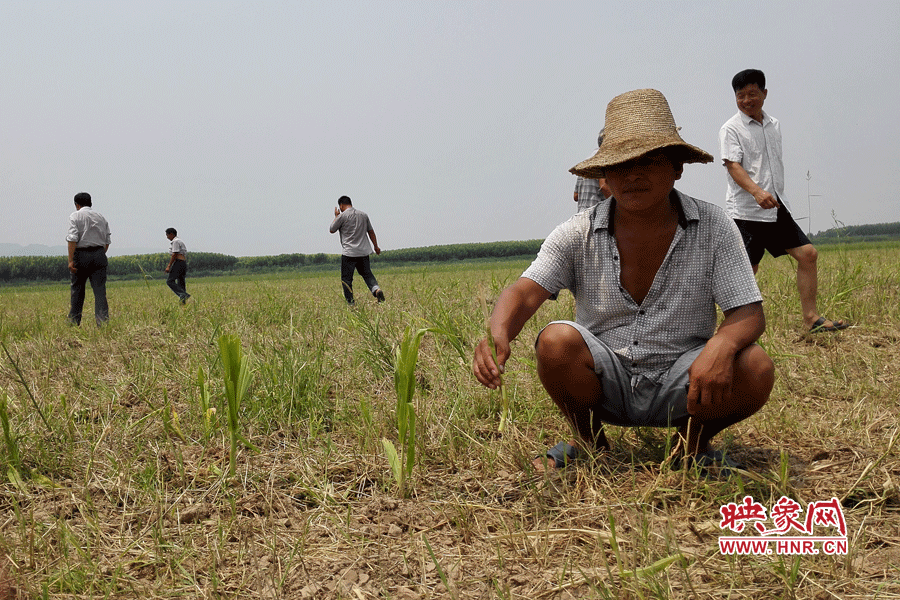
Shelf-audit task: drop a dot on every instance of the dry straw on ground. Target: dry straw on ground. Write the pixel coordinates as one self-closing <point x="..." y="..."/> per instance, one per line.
<point x="125" y="493"/>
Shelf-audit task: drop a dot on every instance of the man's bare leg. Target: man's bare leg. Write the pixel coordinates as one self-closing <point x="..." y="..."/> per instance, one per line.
<point x="754" y="377"/>
<point x="808" y="285"/>
<point x="566" y="369"/>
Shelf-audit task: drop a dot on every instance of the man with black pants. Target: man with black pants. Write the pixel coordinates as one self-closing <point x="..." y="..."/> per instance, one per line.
<point x="88" y="240"/>
<point x="177" y="267"/>
<point x="354" y="225"/>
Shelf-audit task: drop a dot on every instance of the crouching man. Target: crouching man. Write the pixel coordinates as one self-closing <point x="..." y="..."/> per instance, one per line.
<point x="647" y="269"/>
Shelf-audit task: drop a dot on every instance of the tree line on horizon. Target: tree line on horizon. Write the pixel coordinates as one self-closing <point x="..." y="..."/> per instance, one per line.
<point x="55" y="268"/>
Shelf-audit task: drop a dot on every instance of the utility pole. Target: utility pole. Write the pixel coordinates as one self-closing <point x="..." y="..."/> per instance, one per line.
<point x="809" y="206"/>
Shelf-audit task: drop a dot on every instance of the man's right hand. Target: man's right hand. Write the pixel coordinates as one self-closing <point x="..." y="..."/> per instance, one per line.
<point x="72" y="266"/>
<point x="486" y="370"/>
<point x="765" y="199"/>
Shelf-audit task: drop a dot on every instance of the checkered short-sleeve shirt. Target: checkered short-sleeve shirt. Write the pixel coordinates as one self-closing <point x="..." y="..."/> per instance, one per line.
<point x="706" y="265"/>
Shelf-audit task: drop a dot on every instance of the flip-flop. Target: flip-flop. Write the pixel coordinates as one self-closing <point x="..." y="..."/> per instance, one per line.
<point x="819" y="325"/>
<point x="563" y="453"/>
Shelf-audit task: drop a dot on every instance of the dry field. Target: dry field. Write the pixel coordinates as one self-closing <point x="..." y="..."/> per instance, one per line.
<point x="114" y="475"/>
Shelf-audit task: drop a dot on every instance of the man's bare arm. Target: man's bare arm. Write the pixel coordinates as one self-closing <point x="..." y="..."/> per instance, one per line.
<point x="712" y="372"/>
<point x="371" y="233"/>
<point x="742" y="178"/>
<point x="514" y="307"/>
<point x="72" y="246"/>
<point x="337" y="213"/>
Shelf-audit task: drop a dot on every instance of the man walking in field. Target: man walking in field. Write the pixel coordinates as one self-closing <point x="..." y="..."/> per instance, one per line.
<point x="88" y="240"/>
<point x="647" y="269"/>
<point x="354" y="226"/>
<point x="177" y="267"/>
<point x="750" y="145"/>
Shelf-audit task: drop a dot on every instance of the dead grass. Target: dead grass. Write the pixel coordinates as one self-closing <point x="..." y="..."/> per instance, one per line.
<point x="117" y="501"/>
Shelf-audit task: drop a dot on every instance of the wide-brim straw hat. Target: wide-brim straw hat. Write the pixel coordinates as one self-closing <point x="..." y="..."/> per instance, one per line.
<point x="638" y="123"/>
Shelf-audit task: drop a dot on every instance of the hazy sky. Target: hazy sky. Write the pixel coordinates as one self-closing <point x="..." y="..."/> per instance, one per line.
<point x="241" y="123"/>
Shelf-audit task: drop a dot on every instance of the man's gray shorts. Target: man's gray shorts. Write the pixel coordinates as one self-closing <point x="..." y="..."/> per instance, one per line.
<point x="633" y="400"/>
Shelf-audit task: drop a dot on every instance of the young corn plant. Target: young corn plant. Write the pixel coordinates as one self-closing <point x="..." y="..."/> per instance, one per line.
<point x="209" y="412"/>
<point x="402" y="462"/>
<point x="504" y="398"/>
<point x="237" y="382"/>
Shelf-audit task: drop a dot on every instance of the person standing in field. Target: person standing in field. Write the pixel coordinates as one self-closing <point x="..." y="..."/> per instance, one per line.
<point x="88" y="240"/>
<point x="750" y="145"/>
<point x="589" y="191"/>
<point x="177" y="267"/>
<point x="647" y="268"/>
<point x="354" y="226"/>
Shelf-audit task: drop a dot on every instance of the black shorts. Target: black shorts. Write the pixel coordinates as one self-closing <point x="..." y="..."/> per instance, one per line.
<point x="778" y="237"/>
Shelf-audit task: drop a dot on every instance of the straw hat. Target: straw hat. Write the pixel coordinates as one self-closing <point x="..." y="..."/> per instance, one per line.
<point x="637" y="123"/>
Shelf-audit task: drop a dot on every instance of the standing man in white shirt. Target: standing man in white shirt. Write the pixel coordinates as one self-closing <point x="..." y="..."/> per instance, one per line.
<point x="354" y="226"/>
<point x="177" y="267"/>
<point x="750" y="145"/>
<point x="88" y="240"/>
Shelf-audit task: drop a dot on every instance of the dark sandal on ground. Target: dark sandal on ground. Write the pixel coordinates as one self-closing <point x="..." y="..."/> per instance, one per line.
<point x="712" y="461"/>
<point x="819" y="325"/>
<point x="563" y="453"/>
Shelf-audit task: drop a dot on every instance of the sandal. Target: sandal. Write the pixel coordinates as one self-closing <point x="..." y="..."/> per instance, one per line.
<point x="562" y="454"/>
<point x="819" y="325"/>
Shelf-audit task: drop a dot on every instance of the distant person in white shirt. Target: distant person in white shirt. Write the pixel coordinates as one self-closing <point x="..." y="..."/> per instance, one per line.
<point x="177" y="267"/>
<point x="750" y="145"/>
<point x="88" y="240"/>
<point x="354" y="226"/>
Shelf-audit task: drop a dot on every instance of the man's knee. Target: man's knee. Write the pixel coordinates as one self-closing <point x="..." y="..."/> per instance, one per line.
<point x="560" y="344"/>
<point x="755" y="373"/>
<point x="806" y="254"/>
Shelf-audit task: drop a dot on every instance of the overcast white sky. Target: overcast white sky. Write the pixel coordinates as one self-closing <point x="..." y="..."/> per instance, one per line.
<point x="241" y="123"/>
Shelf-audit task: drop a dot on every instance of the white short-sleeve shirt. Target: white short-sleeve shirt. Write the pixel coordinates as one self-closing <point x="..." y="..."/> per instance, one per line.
<point x="757" y="148"/>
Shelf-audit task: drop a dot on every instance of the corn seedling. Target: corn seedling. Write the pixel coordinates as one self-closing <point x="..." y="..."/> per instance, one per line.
<point x="237" y="382"/>
<point x="504" y="399"/>
<point x="402" y="462"/>
<point x="208" y="412"/>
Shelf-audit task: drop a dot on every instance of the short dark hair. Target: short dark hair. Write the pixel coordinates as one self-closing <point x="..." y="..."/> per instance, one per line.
<point x="171" y="230"/>
<point x="345" y="200"/>
<point x="83" y="199"/>
<point x="748" y="77"/>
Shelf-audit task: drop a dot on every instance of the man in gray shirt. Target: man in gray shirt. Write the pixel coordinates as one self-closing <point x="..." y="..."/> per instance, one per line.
<point x="354" y="225"/>
<point x="88" y="240"/>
